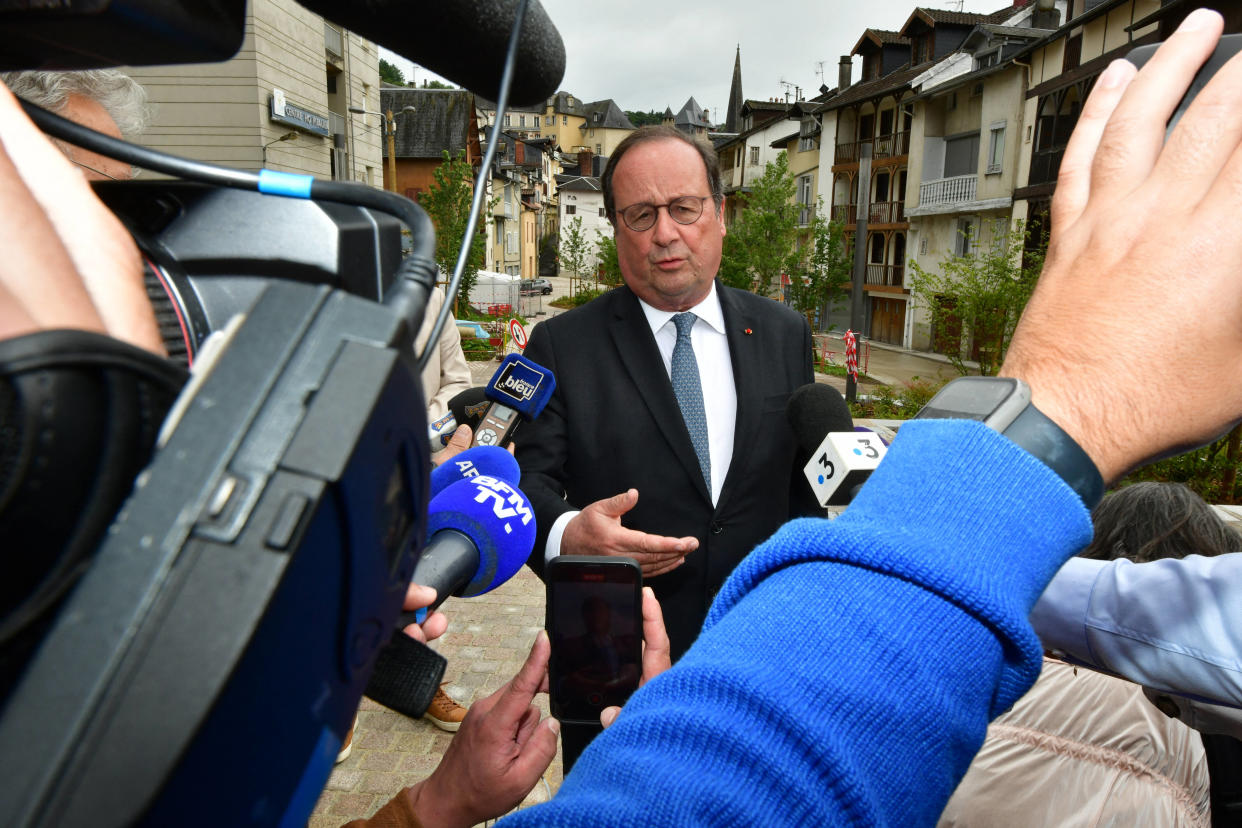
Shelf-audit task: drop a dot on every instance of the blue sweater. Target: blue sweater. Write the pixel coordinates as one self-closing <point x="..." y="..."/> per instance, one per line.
<point x="848" y="669"/>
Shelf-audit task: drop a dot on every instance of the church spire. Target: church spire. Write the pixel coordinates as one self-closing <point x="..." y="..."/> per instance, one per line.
<point x="733" y="117"/>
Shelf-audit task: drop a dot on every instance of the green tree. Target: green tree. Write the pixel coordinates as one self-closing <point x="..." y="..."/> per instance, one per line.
<point x="577" y="258"/>
<point x="978" y="297"/>
<point x="432" y="83"/>
<point x="389" y="73"/>
<point x="822" y="273"/>
<point x="765" y="235"/>
<point x="609" y="265"/>
<point x="447" y="201"/>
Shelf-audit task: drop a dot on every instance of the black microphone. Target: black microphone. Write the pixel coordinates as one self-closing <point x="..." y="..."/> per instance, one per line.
<point x="840" y="459"/>
<point x="463" y="40"/>
<point x="469" y="406"/>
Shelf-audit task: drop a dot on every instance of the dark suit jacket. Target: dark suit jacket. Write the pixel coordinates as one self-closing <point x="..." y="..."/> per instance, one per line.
<point x="613" y="423"/>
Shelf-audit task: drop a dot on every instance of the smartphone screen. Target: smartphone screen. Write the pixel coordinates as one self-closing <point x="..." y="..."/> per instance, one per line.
<point x="594" y="619"/>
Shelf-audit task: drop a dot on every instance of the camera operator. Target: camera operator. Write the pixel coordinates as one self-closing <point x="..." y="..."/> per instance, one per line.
<point x="859" y="627"/>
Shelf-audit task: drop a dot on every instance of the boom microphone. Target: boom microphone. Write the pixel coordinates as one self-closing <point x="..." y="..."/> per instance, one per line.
<point x="519" y="387"/>
<point x="840" y="461"/>
<point x="463" y="40"/>
<point x="481" y="530"/>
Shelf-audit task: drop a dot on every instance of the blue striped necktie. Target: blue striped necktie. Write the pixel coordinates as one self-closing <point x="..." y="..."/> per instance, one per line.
<point x="689" y="392"/>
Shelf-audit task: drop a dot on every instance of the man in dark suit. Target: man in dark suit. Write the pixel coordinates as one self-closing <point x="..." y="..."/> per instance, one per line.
<point x="624" y="460"/>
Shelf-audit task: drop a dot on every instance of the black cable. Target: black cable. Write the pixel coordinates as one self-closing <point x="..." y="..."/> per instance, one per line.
<point x="476" y="206"/>
<point x="415" y="277"/>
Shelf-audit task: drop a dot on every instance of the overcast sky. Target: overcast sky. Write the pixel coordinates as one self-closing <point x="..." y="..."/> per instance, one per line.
<point x="652" y="54"/>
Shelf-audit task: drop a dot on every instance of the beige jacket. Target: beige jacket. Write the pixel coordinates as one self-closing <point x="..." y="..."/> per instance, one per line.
<point x="1084" y="749"/>
<point x="447" y="373"/>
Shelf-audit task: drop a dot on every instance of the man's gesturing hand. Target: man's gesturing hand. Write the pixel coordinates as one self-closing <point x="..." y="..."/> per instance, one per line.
<point x="597" y="530"/>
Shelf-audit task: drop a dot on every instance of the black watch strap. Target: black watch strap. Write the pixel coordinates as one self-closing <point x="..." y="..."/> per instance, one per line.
<point x="1033" y="431"/>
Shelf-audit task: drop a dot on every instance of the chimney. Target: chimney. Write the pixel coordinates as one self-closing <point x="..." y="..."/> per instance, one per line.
<point x="1045" y="16"/>
<point x="844" y="68"/>
<point x="584" y="162"/>
<point x="707" y="118"/>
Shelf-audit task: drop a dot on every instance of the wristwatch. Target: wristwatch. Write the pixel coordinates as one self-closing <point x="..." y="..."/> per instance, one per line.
<point x="1004" y="405"/>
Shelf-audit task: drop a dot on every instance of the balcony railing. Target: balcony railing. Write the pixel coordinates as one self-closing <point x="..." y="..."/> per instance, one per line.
<point x="886" y="212"/>
<point x="882" y="146"/>
<point x="953" y="190"/>
<point x="889" y="275"/>
<point x="333" y="42"/>
<point x="1045" y="165"/>
<point x="845" y="213"/>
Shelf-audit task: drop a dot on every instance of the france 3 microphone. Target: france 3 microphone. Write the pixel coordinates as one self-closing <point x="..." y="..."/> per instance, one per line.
<point x="518" y="391"/>
<point x="842" y="460"/>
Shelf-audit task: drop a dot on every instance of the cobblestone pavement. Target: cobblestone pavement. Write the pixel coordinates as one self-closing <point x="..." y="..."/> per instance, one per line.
<point x="487" y="640"/>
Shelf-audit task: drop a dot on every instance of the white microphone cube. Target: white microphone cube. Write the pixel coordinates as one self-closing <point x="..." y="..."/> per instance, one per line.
<point x="843" y="460"/>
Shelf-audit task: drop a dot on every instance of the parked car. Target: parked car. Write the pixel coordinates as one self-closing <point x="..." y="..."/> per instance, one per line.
<point x="532" y="286"/>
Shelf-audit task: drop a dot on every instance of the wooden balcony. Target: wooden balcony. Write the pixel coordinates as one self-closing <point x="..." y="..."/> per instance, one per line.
<point x="1045" y="165"/>
<point x="885" y="275"/>
<point x="882" y="146"/>
<point x="879" y="212"/>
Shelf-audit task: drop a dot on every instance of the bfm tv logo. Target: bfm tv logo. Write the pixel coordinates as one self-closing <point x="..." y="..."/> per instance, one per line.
<point x="519" y="382"/>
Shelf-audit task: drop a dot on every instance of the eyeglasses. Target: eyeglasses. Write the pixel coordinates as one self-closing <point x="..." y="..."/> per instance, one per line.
<point x="683" y="210"/>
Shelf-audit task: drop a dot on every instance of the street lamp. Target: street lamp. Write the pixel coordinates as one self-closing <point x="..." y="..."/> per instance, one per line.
<point x="288" y="136"/>
<point x="390" y="132"/>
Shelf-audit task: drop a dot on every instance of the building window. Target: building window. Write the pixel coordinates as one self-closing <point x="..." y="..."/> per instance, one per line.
<point x="564" y="120"/>
<point x="804" y="199"/>
<point x="602" y="213"/>
<point x="806" y="143"/>
<point x="508" y="120"/>
<point x="598" y="149"/>
<point x="961" y="155"/>
<point x="996" y="147"/>
<point x="965" y="243"/>
<point x="754" y="155"/>
<point x="571" y="209"/>
<point x="521" y="120"/>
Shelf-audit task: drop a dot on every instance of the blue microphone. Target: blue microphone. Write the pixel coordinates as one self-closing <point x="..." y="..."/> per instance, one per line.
<point x="489" y="461"/>
<point x="518" y="391"/>
<point x="480" y="531"/>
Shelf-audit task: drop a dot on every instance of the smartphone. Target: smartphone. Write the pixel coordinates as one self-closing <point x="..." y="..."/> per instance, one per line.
<point x="1228" y="46"/>
<point x="595" y="624"/>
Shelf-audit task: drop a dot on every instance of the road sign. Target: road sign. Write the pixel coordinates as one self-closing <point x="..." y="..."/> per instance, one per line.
<point x="518" y="334"/>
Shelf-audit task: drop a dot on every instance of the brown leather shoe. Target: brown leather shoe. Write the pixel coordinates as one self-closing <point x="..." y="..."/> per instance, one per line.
<point x="348" y="744"/>
<point x="445" y="713"/>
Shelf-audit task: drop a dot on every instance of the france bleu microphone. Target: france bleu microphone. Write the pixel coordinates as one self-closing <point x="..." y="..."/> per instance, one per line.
<point x="518" y="391"/>
<point x="480" y="532"/>
<point x="839" y="461"/>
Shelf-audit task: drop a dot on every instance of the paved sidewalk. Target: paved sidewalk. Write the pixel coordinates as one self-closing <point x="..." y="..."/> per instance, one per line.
<point x="487" y="640"/>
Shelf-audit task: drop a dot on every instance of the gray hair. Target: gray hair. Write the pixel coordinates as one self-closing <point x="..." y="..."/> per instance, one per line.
<point x="120" y="95"/>
<point x="1148" y="521"/>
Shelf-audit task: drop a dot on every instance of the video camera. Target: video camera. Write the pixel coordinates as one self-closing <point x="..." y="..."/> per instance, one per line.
<point x="200" y="660"/>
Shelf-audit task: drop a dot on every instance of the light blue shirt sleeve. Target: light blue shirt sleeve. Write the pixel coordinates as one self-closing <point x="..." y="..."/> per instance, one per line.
<point x="1173" y="624"/>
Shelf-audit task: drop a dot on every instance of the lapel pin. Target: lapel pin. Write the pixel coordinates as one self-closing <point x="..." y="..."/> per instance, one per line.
<point x="749" y="332"/>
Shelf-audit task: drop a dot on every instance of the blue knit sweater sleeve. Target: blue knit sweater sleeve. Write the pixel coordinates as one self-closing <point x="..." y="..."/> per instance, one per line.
<point x="848" y="669"/>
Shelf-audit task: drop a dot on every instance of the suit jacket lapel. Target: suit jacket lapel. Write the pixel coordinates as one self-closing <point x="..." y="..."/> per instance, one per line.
<point x="641" y="358"/>
<point x="743" y="352"/>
